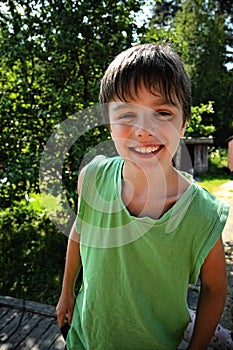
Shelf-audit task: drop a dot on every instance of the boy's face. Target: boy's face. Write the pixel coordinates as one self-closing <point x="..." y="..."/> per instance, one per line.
<point x="147" y="129"/>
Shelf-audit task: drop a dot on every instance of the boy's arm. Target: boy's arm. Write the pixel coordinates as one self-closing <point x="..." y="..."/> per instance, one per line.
<point x="66" y="301"/>
<point x="212" y="297"/>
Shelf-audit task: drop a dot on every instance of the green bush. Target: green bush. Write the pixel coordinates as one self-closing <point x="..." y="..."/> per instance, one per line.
<point x="195" y="127"/>
<point x="32" y="254"/>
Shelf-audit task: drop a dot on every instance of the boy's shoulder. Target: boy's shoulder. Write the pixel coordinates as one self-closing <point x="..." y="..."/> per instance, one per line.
<point x="98" y="165"/>
<point x="204" y="204"/>
<point x="203" y="195"/>
<point x="208" y="206"/>
<point x="101" y="162"/>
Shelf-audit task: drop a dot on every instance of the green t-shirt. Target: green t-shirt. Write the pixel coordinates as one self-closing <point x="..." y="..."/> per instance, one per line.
<point x="136" y="271"/>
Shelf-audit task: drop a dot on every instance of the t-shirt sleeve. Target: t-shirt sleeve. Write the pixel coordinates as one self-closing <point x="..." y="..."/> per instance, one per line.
<point x="86" y="191"/>
<point x="219" y="221"/>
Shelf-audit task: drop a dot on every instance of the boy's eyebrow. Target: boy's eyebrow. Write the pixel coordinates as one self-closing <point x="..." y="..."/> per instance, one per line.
<point x="121" y="105"/>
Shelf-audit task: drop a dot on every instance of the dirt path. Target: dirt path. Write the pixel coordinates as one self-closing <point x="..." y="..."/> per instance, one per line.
<point x="225" y="193"/>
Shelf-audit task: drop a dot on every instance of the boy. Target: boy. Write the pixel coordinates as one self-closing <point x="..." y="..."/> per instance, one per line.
<point x="146" y="230"/>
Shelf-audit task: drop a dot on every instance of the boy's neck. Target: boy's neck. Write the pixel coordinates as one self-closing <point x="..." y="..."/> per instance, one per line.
<point x="151" y="193"/>
<point x="155" y="180"/>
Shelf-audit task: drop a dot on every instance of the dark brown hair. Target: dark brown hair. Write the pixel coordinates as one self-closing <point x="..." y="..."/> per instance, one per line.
<point x="156" y="66"/>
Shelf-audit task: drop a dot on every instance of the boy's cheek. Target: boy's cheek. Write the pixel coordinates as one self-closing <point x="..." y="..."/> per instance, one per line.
<point x="119" y="131"/>
<point x="177" y="130"/>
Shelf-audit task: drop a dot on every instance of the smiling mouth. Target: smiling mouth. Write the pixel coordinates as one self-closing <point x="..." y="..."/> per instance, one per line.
<point x="147" y="150"/>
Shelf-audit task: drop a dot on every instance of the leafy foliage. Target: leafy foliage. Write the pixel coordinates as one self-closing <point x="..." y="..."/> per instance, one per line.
<point x="164" y="12"/>
<point x="202" y="34"/>
<point x="195" y="127"/>
<point x="202" y="41"/>
<point x="52" y="56"/>
<point x="32" y="254"/>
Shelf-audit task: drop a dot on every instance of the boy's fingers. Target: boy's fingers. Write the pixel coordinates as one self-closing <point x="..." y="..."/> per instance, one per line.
<point x="70" y="315"/>
<point x="61" y="321"/>
<point x="60" y="317"/>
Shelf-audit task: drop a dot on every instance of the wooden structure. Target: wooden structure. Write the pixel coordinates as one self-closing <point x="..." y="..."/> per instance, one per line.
<point x="192" y="155"/>
<point x="230" y="153"/>
<point x="27" y="325"/>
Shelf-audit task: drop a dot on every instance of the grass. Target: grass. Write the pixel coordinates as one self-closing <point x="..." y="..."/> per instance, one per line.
<point x="218" y="173"/>
<point x="213" y="184"/>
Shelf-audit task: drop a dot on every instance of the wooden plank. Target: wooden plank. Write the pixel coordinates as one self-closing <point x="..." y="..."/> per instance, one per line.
<point x="12" y="302"/>
<point x="37" y="335"/>
<point x="9" y="316"/>
<point x="11" y="328"/>
<point x="27" y="325"/>
<point x="28" y="322"/>
<point x="30" y="306"/>
<point x="3" y="312"/>
<point x="48" y="339"/>
<point x="42" y="309"/>
<point x="198" y="140"/>
<point x="59" y="343"/>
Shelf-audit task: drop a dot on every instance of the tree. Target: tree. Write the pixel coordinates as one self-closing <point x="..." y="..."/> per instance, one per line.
<point x="225" y="9"/>
<point x="201" y="36"/>
<point x="201" y="32"/>
<point x="164" y="13"/>
<point x="52" y="56"/>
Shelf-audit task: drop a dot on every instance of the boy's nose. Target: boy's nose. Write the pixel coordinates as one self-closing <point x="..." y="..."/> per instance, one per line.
<point x="143" y="128"/>
<point x="142" y="132"/>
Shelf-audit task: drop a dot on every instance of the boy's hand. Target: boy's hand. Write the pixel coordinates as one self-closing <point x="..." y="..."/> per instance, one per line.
<point x="64" y="309"/>
<point x="65" y="305"/>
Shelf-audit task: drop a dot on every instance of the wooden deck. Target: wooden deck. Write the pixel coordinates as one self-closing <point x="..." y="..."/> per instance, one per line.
<point x="27" y="325"/>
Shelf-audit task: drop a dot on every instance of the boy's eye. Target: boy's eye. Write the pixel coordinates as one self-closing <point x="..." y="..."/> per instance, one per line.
<point x="163" y="115"/>
<point x="127" y="116"/>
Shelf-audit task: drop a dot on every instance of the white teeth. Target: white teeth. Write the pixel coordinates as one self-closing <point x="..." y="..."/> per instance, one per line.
<point x="145" y="150"/>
